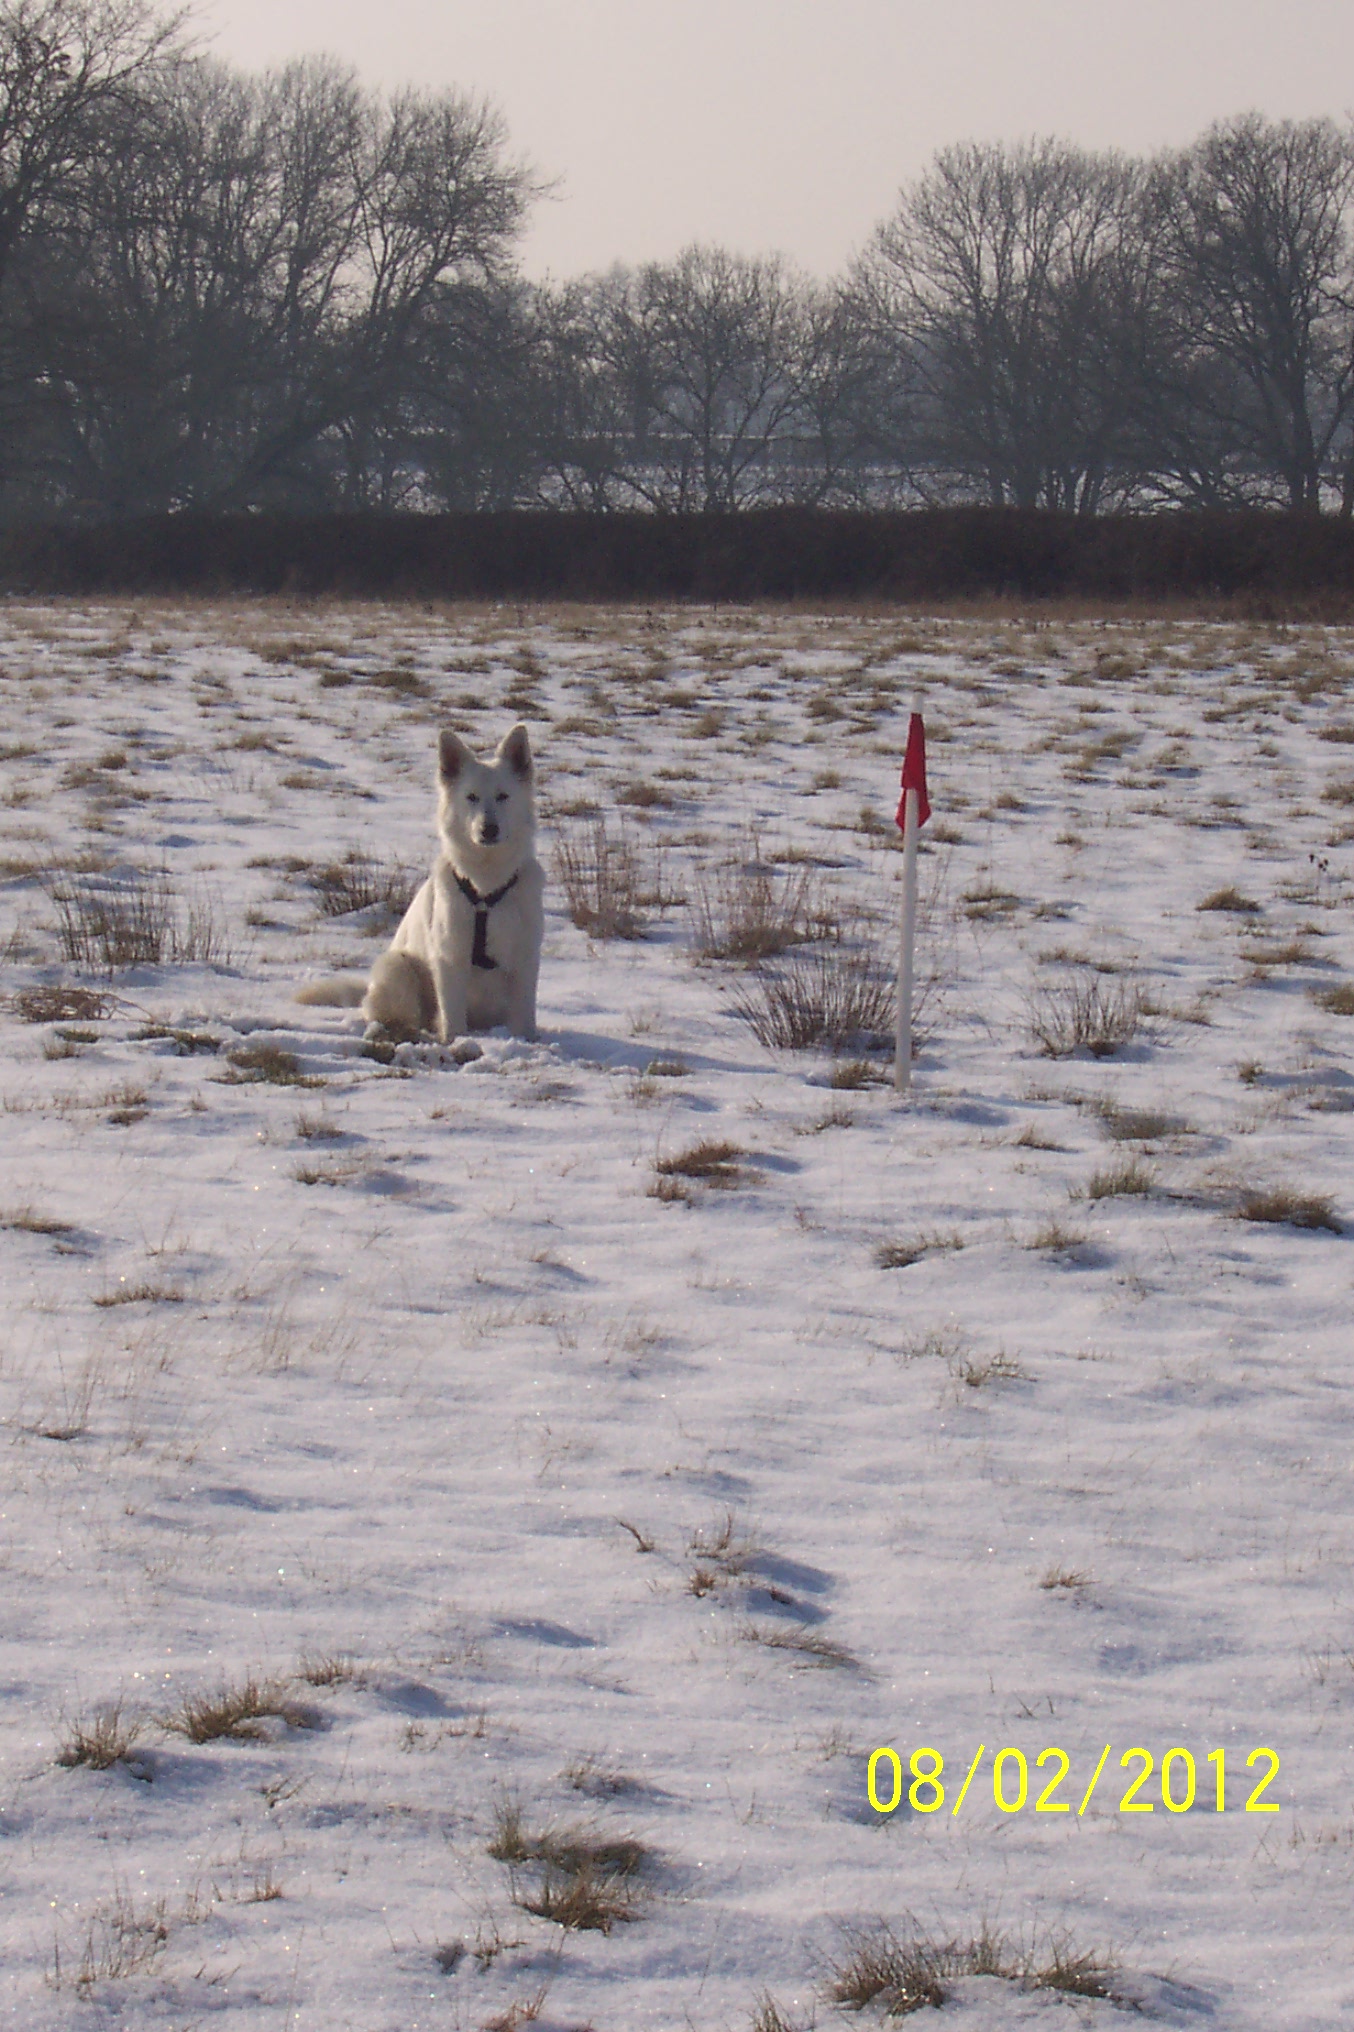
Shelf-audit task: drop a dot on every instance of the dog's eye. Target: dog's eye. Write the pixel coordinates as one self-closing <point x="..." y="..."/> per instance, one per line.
<point x="472" y="797"/>
<point x="502" y="797"/>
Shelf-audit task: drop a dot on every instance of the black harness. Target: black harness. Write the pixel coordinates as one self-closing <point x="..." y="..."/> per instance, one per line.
<point x="482" y="905"/>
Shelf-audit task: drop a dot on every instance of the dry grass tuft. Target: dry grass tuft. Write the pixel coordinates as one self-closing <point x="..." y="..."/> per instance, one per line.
<point x="722" y="1554"/>
<point x="239" y="1714"/>
<point x="1056" y="1238"/>
<point x="748" y="910"/>
<point x="1337" y="1001"/>
<point x="122" y="1939"/>
<point x="851" y="1075"/>
<point x="136" y="919"/>
<point x="1088" y="1013"/>
<point x="1064" y="1577"/>
<point x="604" y="882"/>
<point x="58" y="1005"/>
<point x="1231" y="899"/>
<point x="266" y="1064"/>
<point x="902" y="1255"/>
<point x="976" y="1371"/>
<point x="328" y="1668"/>
<point x="105" y="1739"/>
<point x="359" y="881"/>
<point x="1127" y="1178"/>
<point x="577" y="1877"/>
<point x="839" y="998"/>
<point x="1286" y="1208"/>
<point x="711" y="1162"/>
<point x="26" y="1220"/>
<point x="1138" y="1125"/>
<point x="805" y="1647"/>
<point x="905" y="1973"/>
<point x="138" y="1294"/>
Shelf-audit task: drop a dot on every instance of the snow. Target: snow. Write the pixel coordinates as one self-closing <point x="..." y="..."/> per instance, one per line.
<point x="407" y="1368"/>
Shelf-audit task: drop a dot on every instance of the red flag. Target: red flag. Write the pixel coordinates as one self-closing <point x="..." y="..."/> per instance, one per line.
<point x="914" y="772"/>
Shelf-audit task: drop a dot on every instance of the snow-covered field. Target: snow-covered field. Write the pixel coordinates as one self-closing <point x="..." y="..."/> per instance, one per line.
<point x="610" y="1518"/>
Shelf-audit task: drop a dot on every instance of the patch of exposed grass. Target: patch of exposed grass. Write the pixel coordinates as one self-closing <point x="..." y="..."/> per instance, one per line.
<point x="239" y="1714"/>
<point x="975" y="1372"/>
<point x="605" y="882"/>
<point x="836" y="998"/>
<point x="1032" y="1137"/>
<point x="987" y="902"/>
<point x="851" y="1075"/>
<point x="903" y="1973"/>
<point x="574" y="1875"/>
<point x="902" y="1255"/>
<point x="1137" y="1125"/>
<point x="1055" y="1238"/>
<point x="360" y="881"/>
<point x="187" y="1043"/>
<point x="1088" y="1013"/>
<point x="1127" y="1178"/>
<point x="749" y="910"/>
<point x="55" y="1005"/>
<point x="722" y="1553"/>
<point x="327" y="1668"/>
<point x="712" y="1162"/>
<point x="1337" y="1001"/>
<point x="1286" y="1208"/>
<point x="1231" y="899"/>
<point x="26" y="1220"/>
<point x="1070" y="1578"/>
<point x="138" y="918"/>
<point x="138" y="1294"/>
<point x="805" y="1647"/>
<point x="104" y="1739"/>
<point x="266" y="1064"/>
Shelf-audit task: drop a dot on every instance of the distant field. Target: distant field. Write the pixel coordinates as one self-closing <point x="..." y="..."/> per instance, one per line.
<point x="466" y="1526"/>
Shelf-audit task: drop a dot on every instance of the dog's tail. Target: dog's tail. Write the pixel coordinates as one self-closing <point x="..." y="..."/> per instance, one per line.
<point x="340" y="991"/>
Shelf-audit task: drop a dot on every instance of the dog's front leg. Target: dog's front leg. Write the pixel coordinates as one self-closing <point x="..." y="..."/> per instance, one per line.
<point x="522" y="1004"/>
<point x="451" y="1001"/>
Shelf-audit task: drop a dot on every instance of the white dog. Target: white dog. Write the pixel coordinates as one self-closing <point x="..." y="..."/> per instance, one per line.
<point x="468" y="949"/>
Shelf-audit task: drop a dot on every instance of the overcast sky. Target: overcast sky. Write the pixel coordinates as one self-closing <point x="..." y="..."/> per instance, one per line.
<point x="791" y="124"/>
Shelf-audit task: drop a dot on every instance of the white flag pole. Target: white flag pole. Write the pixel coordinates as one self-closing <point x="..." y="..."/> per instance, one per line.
<point x="902" y="1064"/>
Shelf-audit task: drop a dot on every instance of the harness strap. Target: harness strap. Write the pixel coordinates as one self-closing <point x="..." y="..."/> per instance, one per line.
<point x="479" y="951"/>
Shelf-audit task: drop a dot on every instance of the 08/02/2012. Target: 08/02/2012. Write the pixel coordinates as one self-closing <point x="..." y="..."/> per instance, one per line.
<point x="1179" y="1780"/>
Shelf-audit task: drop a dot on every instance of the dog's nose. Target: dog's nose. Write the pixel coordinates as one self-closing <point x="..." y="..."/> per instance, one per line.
<point x="489" y="831"/>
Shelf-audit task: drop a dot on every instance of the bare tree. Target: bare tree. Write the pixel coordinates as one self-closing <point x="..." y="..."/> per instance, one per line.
<point x="1011" y="280"/>
<point x="1261" y="294"/>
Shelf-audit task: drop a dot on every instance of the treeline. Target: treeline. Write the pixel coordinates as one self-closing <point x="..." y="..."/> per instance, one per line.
<point x="1266" y="565"/>
<point x="288" y="294"/>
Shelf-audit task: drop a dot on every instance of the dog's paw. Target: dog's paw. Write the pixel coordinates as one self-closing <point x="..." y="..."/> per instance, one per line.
<point x="465" y="1050"/>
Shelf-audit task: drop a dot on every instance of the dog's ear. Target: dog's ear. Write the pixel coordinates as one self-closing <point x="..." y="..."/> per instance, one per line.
<point x="452" y="755"/>
<point x="515" y="750"/>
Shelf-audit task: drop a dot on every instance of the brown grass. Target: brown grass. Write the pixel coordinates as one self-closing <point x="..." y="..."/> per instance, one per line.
<point x="710" y="1162"/>
<point x="103" y="1740"/>
<point x="359" y="881"/>
<point x="903" y="1973"/>
<point x="266" y="1064"/>
<point x="1230" y="899"/>
<point x="1286" y="1208"/>
<point x="1127" y="1178"/>
<point x="56" y="1005"/>
<point x="838" y="998"/>
<point x="238" y="1714"/>
<point x="604" y="881"/>
<point x="748" y="910"/>
<point x="1088" y="1013"/>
